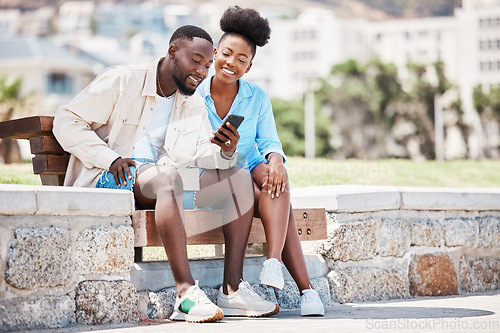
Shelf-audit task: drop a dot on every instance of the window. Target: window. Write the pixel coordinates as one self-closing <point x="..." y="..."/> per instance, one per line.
<point x="58" y="83"/>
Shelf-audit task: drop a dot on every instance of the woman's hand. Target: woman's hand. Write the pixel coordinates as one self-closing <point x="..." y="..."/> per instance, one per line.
<point x="229" y="138"/>
<point x="275" y="181"/>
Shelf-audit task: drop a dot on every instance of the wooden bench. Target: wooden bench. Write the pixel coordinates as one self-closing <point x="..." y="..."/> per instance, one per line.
<point x="50" y="162"/>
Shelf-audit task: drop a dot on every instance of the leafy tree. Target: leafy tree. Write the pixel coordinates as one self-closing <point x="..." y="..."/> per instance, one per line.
<point x="289" y="117"/>
<point x="365" y="102"/>
<point x="487" y="104"/>
<point x="481" y="100"/>
<point x="387" y="89"/>
<point x="11" y="103"/>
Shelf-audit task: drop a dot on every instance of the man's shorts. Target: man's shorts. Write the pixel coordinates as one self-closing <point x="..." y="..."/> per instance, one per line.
<point x="108" y="181"/>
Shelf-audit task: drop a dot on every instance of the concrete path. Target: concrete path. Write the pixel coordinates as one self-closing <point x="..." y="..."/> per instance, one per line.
<point x="472" y="313"/>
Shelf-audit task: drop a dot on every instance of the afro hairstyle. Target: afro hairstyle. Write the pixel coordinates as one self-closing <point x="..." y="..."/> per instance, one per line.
<point x="246" y="22"/>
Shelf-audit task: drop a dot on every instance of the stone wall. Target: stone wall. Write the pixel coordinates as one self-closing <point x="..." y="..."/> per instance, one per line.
<point x="387" y="243"/>
<point x="64" y="257"/>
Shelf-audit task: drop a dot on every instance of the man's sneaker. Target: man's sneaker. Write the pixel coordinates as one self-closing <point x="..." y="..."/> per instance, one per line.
<point x="195" y="307"/>
<point x="310" y="304"/>
<point x="245" y="302"/>
<point x="272" y="274"/>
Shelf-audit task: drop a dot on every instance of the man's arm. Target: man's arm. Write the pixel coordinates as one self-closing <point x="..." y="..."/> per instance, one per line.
<point x="91" y="108"/>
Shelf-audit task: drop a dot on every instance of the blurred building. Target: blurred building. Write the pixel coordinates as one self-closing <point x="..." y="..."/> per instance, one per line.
<point x="479" y="56"/>
<point x="10" y="21"/>
<point x="301" y="49"/>
<point x="421" y="41"/>
<point x="49" y="71"/>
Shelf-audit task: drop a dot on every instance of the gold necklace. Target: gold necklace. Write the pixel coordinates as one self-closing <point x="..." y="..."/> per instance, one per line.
<point x="158" y="81"/>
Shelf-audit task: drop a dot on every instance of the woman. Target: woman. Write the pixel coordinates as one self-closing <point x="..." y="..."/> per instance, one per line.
<point x="259" y="148"/>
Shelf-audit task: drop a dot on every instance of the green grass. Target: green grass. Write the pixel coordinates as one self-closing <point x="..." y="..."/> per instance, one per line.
<point x="394" y="172"/>
<point x="391" y="172"/>
<point x="19" y="173"/>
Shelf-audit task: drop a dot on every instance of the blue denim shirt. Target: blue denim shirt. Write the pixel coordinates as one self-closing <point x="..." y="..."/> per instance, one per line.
<point x="258" y="134"/>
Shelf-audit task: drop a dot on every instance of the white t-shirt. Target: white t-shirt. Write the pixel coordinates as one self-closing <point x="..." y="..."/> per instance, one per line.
<point x="153" y="140"/>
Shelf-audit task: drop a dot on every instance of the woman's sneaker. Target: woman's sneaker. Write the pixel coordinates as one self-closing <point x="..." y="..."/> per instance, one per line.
<point x="310" y="304"/>
<point x="245" y="302"/>
<point x="195" y="307"/>
<point x="272" y="274"/>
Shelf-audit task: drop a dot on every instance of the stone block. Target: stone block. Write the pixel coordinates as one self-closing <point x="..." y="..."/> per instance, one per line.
<point x="106" y="302"/>
<point x="479" y="274"/>
<point x="43" y="313"/>
<point x="359" y="284"/>
<point x="394" y="238"/>
<point x="489" y="232"/>
<point x="435" y="198"/>
<point x="432" y="275"/>
<point x="39" y="257"/>
<point x="265" y="292"/>
<point x="355" y="240"/>
<point x="426" y="232"/>
<point x="289" y="296"/>
<point x="104" y="250"/>
<point x="17" y="199"/>
<point x="58" y="200"/>
<point x="460" y="232"/>
<point x="347" y="198"/>
<point x="161" y="303"/>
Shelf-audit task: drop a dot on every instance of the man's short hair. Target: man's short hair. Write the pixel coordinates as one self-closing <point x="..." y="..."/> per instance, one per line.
<point x="188" y="32"/>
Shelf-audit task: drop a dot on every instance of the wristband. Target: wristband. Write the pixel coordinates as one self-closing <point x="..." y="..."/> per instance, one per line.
<point x="225" y="156"/>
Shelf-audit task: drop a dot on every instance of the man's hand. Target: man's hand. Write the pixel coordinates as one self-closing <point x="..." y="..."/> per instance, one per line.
<point x="228" y="146"/>
<point x="276" y="179"/>
<point x="120" y="170"/>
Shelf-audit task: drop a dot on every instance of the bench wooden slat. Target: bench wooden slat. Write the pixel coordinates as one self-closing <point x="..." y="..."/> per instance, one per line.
<point x="25" y="128"/>
<point x="46" y="145"/>
<point x="50" y="164"/>
<point x="311" y="225"/>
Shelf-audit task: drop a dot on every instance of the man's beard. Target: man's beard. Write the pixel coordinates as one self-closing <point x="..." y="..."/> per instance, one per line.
<point x="181" y="82"/>
<point x="183" y="88"/>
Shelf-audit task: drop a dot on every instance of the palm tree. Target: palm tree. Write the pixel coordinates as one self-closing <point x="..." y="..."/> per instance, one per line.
<point x="10" y="103"/>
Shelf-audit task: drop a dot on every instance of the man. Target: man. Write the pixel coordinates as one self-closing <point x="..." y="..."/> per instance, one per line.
<point x="141" y="128"/>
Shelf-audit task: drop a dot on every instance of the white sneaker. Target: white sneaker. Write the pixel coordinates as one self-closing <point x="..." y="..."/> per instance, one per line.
<point x="310" y="304"/>
<point x="272" y="274"/>
<point x="245" y="302"/>
<point x="195" y="307"/>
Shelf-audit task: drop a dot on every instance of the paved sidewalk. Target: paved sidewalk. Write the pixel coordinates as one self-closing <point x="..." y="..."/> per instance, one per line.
<point x="472" y="313"/>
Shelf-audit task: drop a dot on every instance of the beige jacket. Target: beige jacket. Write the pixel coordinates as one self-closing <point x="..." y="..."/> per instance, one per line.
<point x="106" y="119"/>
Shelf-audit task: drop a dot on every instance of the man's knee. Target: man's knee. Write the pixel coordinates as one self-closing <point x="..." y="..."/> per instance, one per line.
<point x="159" y="179"/>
